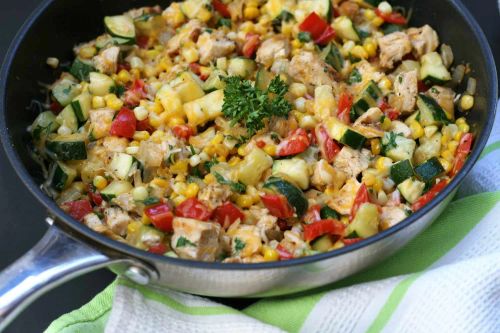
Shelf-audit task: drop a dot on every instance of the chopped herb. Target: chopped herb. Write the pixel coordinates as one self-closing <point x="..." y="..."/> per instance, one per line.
<point x="224" y="22"/>
<point x="209" y="164"/>
<point x="238" y="245"/>
<point x="195" y="172"/>
<point x="237" y="187"/>
<point x="354" y="77"/>
<point x="400" y="79"/>
<point x="391" y="142"/>
<point x="118" y="90"/>
<point x="304" y="36"/>
<point x="171" y="158"/>
<point x="328" y="213"/>
<point x="434" y="90"/>
<point x="284" y="16"/>
<point x="209" y="30"/>
<point x="145" y="17"/>
<point x="352" y="235"/>
<point x="363" y="34"/>
<point x="249" y="105"/>
<point x="191" y="149"/>
<point x="183" y="241"/>
<point x="151" y="201"/>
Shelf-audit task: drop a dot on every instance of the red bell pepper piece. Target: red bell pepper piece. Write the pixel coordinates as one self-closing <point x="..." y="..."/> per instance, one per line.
<point x="227" y="213"/>
<point x="93" y="195"/>
<point x="221" y="8"/>
<point x="260" y="144"/>
<point x="344" y="107"/>
<point x="124" y="124"/>
<point x="142" y="41"/>
<point x="313" y="214"/>
<point x="321" y="227"/>
<point x="394" y="17"/>
<point x="314" y="25"/>
<point x="194" y="209"/>
<point x="55" y="107"/>
<point x="252" y="41"/>
<point x="349" y="241"/>
<point x="329" y="148"/>
<point x="161" y="216"/>
<point x="361" y="198"/>
<point x="294" y="144"/>
<point x="78" y="209"/>
<point x="423" y="200"/>
<point x="463" y="151"/>
<point x="388" y="110"/>
<point x="144" y="125"/>
<point x="277" y="205"/>
<point x="283" y="253"/>
<point x="327" y="35"/>
<point x="422" y="87"/>
<point x="182" y="131"/>
<point x="135" y="93"/>
<point x="158" y="249"/>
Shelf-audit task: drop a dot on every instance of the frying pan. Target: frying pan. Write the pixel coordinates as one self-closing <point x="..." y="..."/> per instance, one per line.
<point x="69" y="248"/>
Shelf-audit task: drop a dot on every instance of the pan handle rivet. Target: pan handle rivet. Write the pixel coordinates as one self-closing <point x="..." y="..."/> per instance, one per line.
<point x="138" y="275"/>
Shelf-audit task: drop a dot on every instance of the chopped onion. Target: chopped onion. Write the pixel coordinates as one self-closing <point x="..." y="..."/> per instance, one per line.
<point x="447" y="55"/>
<point x="471" y="86"/>
<point x="458" y="75"/>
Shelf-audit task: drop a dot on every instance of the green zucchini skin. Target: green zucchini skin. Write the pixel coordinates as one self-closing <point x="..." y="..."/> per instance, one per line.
<point x="401" y="171"/>
<point x="67" y="150"/>
<point x="431" y="113"/>
<point x="370" y="97"/>
<point x="81" y="69"/>
<point x="61" y="176"/>
<point x="333" y="57"/>
<point x="429" y="170"/>
<point x="353" y="139"/>
<point x="293" y="194"/>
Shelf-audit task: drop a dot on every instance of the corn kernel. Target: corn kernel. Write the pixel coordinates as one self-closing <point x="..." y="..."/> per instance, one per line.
<point x="244" y="201"/>
<point x="180" y="166"/>
<point x="145" y="219"/>
<point x="141" y="135"/>
<point x="140" y="113"/>
<point x="378" y="184"/>
<point x="464" y="128"/>
<point x="87" y="52"/>
<point x="309" y="46"/>
<point x="98" y="102"/>
<point x="383" y="164"/>
<point x="209" y="179"/>
<point x="140" y="193"/>
<point x="359" y="52"/>
<point x="252" y="3"/>
<point x="386" y="124"/>
<point x="242" y="150"/>
<point x="345" y="220"/>
<point x="369" y="14"/>
<point x="385" y="84"/>
<point x="460" y="120"/>
<point x="269" y="253"/>
<point x="155" y="120"/>
<point x="124" y="76"/>
<point x="247" y="27"/>
<point x="251" y="13"/>
<point x="375" y="146"/>
<point x="217" y="139"/>
<point x="298" y="89"/>
<point x="377" y="21"/>
<point x="466" y="102"/>
<point x="446" y="165"/>
<point x="270" y="150"/>
<point x="371" y="49"/>
<point x="417" y="130"/>
<point x="307" y="122"/>
<point x="133" y="227"/>
<point x="192" y="190"/>
<point x="132" y="150"/>
<point x="385" y="7"/>
<point x="190" y="54"/>
<point x="447" y="155"/>
<point x="178" y="200"/>
<point x="234" y="161"/>
<point x="175" y="121"/>
<point x="134" y="143"/>
<point x="173" y="15"/>
<point x="113" y="102"/>
<point x="369" y="178"/>
<point x="444" y="139"/>
<point x="100" y="182"/>
<point x="296" y="44"/>
<point x="430" y="130"/>
<point x="160" y="182"/>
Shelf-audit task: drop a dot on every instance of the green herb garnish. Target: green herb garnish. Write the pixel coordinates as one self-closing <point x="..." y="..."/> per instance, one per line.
<point x="183" y="241"/>
<point x="224" y="22"/>
<point x="118" y="90"/>
<point x="151" y="201"/>
<point x="238" y="245"/>
<point x="354" y="77"/>
<point x="304" y="36"/>
<point x="237" y="187"/>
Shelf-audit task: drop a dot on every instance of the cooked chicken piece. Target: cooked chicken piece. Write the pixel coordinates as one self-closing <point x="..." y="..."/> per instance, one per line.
<point x="326" y="175"/>
<point x="294" y="243"/>
<point x="390" y="216"/>
<point x="214" y="195"/>
<point x="423" y="40"/>
<point x="348" y="8"/>
<point x="405" y="92"/>
<point x="368" y="73"/>
<point x="273" y="48"/>
<point x="399" y="127"/>
<point x="282" y="126"/>
<point x="343" y="200"/>
<point x="193" y="239"/>
<point x="351" y="161"/>
<point x="101" y="120"/>
<point x="368" y="123"/>
<point x="114" y="144"/>
<point x="280" y="66"/>
<point x="117" y="220"/>
<point x="94" y="164"/>
<point x="268" y="227"/>
<point x="188" y="31"/>
<point x="445" y="98"/>
<point x="213" y="45"/>
<point x="310" y="69"/>
<point x="429" y="147"/>
<point x="125" y="201"/>
<point x="393" y="47"/>
<point x="107" y="61"/>
<point x="93" y="221"/>
<point x="245" y="241"/>
<point x="235" y="8"/>
<point x="150" y="154"/>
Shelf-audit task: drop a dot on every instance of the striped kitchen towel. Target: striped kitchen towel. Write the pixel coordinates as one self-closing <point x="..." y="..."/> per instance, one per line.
<point x="445" y="280"/>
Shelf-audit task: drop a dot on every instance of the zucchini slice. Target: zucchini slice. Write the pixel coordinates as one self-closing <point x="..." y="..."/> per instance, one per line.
<point x="67" y="147"/>
<point x="401" y="171"/>
<point x="116" y="188"/>
<point x="411" y="189"/>
<point x="328" y="213"/>
<point x="322" y="7"/>
<point x="322" y="244"/>
<point x="397" y="147"/>
<point x="431" y="113"/>
<point x="81" y="106"/>
<point x="263" y="78"/>
<point x="61" y="176"/>
<point x="345" y="28"/>
<point x="433" y="70"/>
<point x="369" y="97"/>
<point x="365" y="223"/>
<point x="44" y="124"/>
<point x="333" y="57"/>
<point x="344" y="134"/>
<point x="120" y="165"/>
<point x="68" y="118"/>
<point x="241" y="67"/>
<point x="65" y="90"/>
<point x="121" y="26"/>
<point x="295" y="170"/>
<point x="293" y="194"/>
<point x="429" y="170"/>
<point x="188" y="86"/>
<point x="215" y="81"/>
<point x="100" y="84"/>
<point x="81" y="69"/>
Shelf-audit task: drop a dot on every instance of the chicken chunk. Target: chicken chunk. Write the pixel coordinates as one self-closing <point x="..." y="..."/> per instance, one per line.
<point x="94" y="222"/>
<point x="188" y="31"/>
<point x="117" y="220"/>
<point x="197" y="240"/>
<point x="100" y="121"/>
<point x="326" y="175"/>
<point x="351" y="161"/>
<point x="343" y="200"/>
<point x="213" y="46"/>
<point x="273" y="48"/>
<point x="391" y="216"/>
<point x="150" y="154"/>
<point x="214" y="195"/>
<point x="423" y="40"/>
<point x="107" y="61"/>
<point x="125" y="201"/>
<point x="445" y="98"/>
<point x="393" y="47"/>
<point x="115" y="144"/>
<point x="368" y="123"/>
<point x="405" y="92"/>
<point x="399" y="127"/>
<point x="310" y="69"/>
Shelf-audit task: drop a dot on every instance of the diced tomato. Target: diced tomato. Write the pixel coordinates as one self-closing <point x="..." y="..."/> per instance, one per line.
<point x="314" y="25"/>
<point x="394" y="17"/>
<point x="260" y="144"/>
<point x="283" y="225"/>
<point x="123" y="65"/>
<point x="321" y="227"/>
<point x="194" y="209"/>
<point x="195" y="68"/>
<point x="221" y="8"/>
<point x="388" y="110"/>
<point x="142" y="41"/>
<point x="144" y="125"/>
<point x="463" y="151"/>
<point x="327" y="35"/>
<point x="252" y="41"/>
<point x="294" y="144"/>
<point x="423" y="200"/>
<point x="182" y="131"/>
<point x="313" y="214"/>
<point x="349" y="241"/>
<point x="158" y="249"/>
<point x="227" y="213"/>
<point x="277" y="205"/>
<point x="95" y="197"/>
<point x="344" y="107"/>
<point x="78" y="209"/>
<point x="422" y="87"/>
<point x="135" y="93"/>
<point x="329" y="148"/>
<point x="124" y="124"/>
<point x="284" y="254"/>
<point x="361" y="198"/>
<point x="55" y="107"/>
<point x="161" y="216"/>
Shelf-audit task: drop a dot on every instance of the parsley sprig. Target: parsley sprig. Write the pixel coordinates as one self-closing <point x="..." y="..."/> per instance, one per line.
<point x="249" y="106"/>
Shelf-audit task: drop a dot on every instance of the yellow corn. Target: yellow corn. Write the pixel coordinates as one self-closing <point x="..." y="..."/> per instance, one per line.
<point x="155" y="107"/>
<point x="87" y="52"/>
<point x="464" y="128"/>
<point x="192" y="190"/>
<point x="244" y="201"/>
<point x="377" y="21"/>
<point x="375" y="146"/>
<point x="444" y="139"/>
<point x="140" y="193"/>
<point x="217" y="139"/>
<point x="251" y="13"/>
<point x="160" y="182"/>
<point x="113" y="102"/>
<point x="175" y="121"/>
<point x="209" y="179"/>
<point x="383" y="164"/>
<point x="466" y="102"/>
<point x="252" y="3"/>
<point x="165" y="63"/>
<point x="298" y="89"/>
<point x="296" y="44"/>
<point x="371" y="49"/>
<point x="190" y="54"/>
<point x="460" y="121"/>
<point x="385" y="84"/>
<point x="141" y="135"/>
<point x="417" y="130"/>
<point x="179" y="188"/>
<point x="100" y="182"/>
<point x="133" y="227"/>
<point x="369" y="178"/>
<point x="452" y="146"/>
<point x="269" y="253"/>
<point x="369" y="14"/>
<point x="234" y="160"/>
<point x="173" y="15"/>
<point x="180" y="166"/>
<point x="345" y="220"/>
<point x="270" y="149"/>
<point x="124" y="76"/>
<point x="242" y="150"/>
<point x="378" y="184"/>
<point x="446" y="165"/>
<point x="178" y="200"/>
<point x="98" y="102"/>
<point x="447" y="155"/>
<point x="222" y="151"/>
<point x="155" y="120"/>
<point x="359" y="52"/>
<point x="145" y="219"/>
<point x="134" y="143"/>
<point x="386" y="124"/>
<point x="247" y="27"/>
<point x="135" y="72"/>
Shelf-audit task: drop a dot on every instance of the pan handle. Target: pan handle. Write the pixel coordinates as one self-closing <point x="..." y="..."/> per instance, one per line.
<point x="55" y="259"/>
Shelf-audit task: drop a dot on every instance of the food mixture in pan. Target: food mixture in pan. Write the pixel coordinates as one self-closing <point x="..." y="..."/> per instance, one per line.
<point x="250" y="131"/>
